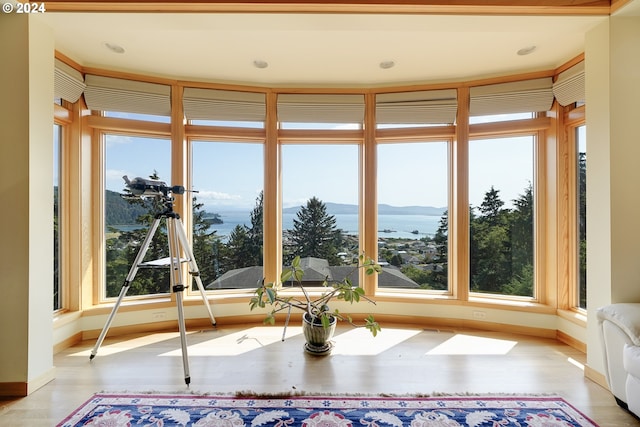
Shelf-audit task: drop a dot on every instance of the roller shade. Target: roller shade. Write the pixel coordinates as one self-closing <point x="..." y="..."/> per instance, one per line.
<point x="313" y="108"/>
<point x="68" y="82"/>
<point x="510" y="98"/>
<point x="129" y="96"/>
<point x="421" y="107"/>
<point x="225" y="105"/>
<point x="569" y="87"/>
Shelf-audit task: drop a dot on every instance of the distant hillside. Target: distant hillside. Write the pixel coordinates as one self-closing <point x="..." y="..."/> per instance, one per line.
<point x="341" y="208"/>
<point x="119" y="211"/>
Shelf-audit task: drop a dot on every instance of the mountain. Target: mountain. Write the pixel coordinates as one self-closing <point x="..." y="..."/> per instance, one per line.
<point x="118" y="211"/>
<point x="383" y="209"/>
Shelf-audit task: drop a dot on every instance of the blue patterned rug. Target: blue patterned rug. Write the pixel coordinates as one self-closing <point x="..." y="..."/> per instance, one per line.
<point x="326" y="411"/>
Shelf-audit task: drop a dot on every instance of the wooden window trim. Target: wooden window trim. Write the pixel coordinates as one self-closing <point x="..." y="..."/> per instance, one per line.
<point x="369" y="136"/>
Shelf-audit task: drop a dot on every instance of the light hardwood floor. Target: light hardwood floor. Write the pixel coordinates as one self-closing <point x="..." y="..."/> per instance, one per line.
<point x="401" y="360"/>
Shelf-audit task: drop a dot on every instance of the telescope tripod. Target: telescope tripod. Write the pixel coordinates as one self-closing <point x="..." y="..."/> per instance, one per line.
<point x="177" y="244"/>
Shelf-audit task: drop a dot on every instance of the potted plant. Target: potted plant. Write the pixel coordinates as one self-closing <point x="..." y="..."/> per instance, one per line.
<point x="318" y="319"/>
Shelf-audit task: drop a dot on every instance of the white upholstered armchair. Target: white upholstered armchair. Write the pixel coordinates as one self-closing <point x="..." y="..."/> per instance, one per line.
<point x="619" y="326"/>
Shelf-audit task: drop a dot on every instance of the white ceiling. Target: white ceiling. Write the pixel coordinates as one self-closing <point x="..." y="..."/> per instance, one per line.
<point x="320" y="49"/>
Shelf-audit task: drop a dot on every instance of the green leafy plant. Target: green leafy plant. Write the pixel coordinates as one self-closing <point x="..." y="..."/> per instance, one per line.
<point x="317" y="308"/>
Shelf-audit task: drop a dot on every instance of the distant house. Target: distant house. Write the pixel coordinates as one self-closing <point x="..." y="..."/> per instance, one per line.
<point x="240" y="278"/>
<point x="408" y="259"/>
<point x="431" y="249"/>
<point x="315" y="272"/>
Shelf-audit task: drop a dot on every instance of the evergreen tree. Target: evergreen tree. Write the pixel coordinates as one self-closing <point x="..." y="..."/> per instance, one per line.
<point x="501" y="245"/>
<point x="315" y="234"/>
<point x="473" y="247"/>
<point x="396" y="260"/>
<point x="491" y="207"/>
<point x="521" y="228"/>
<point x="439" y="278"/>
<point x="490" y="246"/>
<point x="244" y="247"/>
<point x="205" y="245"/>
<point x="239" y="247"/>
<point x="492" y="261"/>
<point x="582" y="227"/>
<point x="256" y="232"/>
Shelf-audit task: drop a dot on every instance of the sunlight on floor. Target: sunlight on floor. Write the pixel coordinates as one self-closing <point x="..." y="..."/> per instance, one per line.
<point x="352" y="342"/>
<point x="468" y="344"/>
<point x="360" y="342"/>
<point x="239" y="342"/>
<point x="128" y="344"/>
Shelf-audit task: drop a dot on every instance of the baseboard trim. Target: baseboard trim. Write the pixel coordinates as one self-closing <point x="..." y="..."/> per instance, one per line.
<point x="596" y="377"/>
<point x="68" y="342"/>
<point x="14" y="389"/>
<point x="21" y="389"/>
<point x="571" y="341"/>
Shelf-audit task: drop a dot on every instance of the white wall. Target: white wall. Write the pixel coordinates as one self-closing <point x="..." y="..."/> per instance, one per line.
<point x="26" y="189"/>
<point x="612" y="58"/>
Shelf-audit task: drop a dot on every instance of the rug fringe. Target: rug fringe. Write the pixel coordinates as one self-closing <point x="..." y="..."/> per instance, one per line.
<point x="299" y="393"/>
<point x="250" y="393"/>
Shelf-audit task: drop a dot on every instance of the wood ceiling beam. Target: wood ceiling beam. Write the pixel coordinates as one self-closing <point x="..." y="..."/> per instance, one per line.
<point x="445" y="7"/>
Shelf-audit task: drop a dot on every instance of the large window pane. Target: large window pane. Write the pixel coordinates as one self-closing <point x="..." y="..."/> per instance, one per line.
<point x="581" y="142"/>
<point x="57" y="291"/>
<point x="412" y="214"/>
<point x="320" y="204"/>
<point x="127" y="220"/>
<point x="227" y="213"/>
<point x="501" y="217"/>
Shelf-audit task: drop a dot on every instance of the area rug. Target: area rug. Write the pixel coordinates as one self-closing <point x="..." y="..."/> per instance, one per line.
<point x="325" y="411"/>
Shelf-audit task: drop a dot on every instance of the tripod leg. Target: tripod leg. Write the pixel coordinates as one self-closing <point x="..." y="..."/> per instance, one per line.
<point x="183" y="336"/>
<point x="125" y="286"/>
<point x="178" y="288"/>
<point x="193" y="268"/>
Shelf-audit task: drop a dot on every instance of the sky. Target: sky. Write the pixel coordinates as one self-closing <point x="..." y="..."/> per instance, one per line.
<point x="229" y="176"/>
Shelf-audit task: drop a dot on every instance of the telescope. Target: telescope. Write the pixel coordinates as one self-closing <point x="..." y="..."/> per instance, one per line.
<point x="178" y="245"/>
<point x="141" y="187"/>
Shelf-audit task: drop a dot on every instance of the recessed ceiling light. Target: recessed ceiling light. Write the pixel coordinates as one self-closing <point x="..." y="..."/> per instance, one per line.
<point x="114" y="47"/>
<point x="526" y="50"/>
<point x="385" y="65"/>
<point x="258" y="63"/>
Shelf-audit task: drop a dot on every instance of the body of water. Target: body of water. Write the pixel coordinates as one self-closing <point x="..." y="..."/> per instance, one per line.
<point x="391" y="226"/>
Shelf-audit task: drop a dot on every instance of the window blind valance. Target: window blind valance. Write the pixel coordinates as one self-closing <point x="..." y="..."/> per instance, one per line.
<point x="569" y="87"/>
<point x="510" y="98"/>
<point x="420" y="107"/>
<point x="224" y="105"/>
<point x="320" y="108"/>
<point x="129" y="96"/>
<point x="68" y="83"/>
